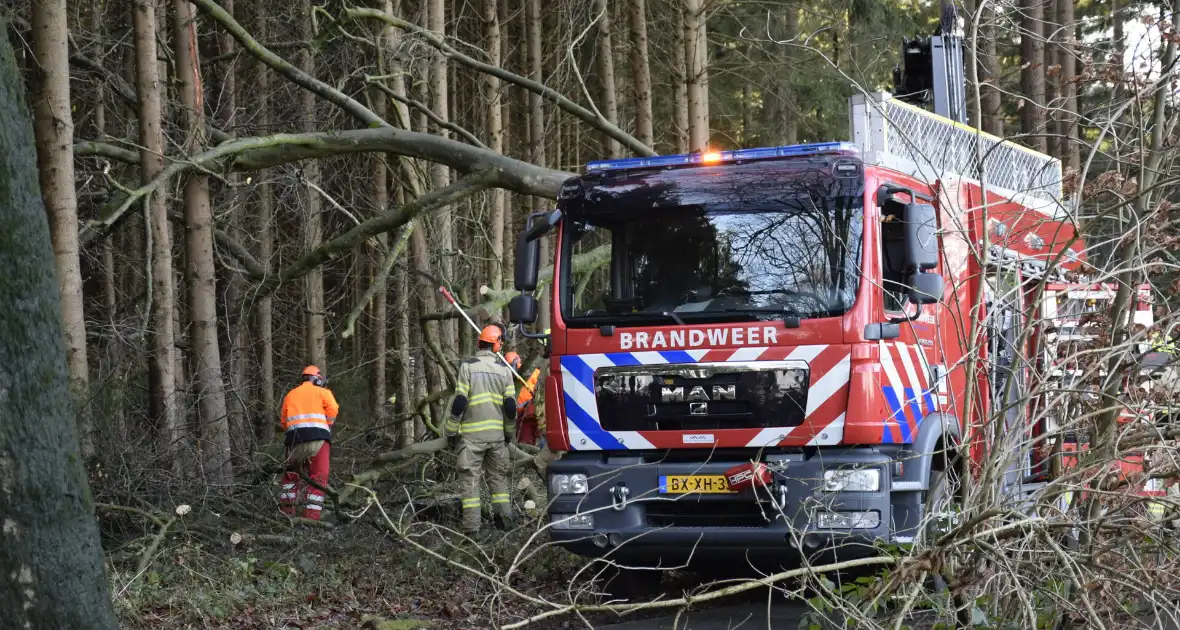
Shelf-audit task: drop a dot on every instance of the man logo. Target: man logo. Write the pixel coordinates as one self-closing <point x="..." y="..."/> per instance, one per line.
<point x="697" y="394"/>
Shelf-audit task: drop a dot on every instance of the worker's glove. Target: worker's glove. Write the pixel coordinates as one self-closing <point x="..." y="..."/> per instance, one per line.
<point x="509" y="439"/>
<point x="453" y="440"/>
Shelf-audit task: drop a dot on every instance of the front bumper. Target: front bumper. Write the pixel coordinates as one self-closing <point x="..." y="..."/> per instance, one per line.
<point x="642" y="526"/>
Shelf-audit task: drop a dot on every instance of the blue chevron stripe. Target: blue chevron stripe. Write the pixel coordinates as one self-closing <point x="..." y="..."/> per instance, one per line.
<point x="590" y="427"/>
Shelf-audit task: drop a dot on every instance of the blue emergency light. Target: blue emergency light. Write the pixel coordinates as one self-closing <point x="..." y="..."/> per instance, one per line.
<point x="721" y="157"/>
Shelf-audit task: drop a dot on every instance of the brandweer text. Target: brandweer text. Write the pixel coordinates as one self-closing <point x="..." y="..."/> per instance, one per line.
<point x="748" y="336"/>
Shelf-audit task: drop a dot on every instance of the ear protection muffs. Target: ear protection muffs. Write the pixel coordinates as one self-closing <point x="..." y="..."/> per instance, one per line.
<point x="317" y="380"/>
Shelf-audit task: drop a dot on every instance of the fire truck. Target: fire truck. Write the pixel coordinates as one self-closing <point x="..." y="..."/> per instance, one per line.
<point x="760" y="354"/>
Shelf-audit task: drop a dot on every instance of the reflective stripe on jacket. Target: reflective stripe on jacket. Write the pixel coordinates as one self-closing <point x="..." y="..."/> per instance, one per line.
<point x="308" y="414"/>
<point x="485" y="383"/>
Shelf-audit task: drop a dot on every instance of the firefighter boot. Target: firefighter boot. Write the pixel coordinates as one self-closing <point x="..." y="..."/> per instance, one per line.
<point x="503" y="522"/>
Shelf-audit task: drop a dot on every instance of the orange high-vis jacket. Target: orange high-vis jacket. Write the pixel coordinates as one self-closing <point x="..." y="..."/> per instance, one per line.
<point x="526" y="393"/>
<point x="309" y="411"/>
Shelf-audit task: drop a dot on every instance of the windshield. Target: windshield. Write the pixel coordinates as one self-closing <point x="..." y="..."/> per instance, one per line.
<point x="734" y="242"/>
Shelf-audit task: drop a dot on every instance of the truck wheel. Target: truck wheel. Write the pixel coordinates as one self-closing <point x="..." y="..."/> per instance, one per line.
<point x="620" y="583"/>
<point x="942" y="503"/>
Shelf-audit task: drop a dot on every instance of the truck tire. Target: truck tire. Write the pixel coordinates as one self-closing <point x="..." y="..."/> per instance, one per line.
<point x="619" y="583"/>
<point x="942" y="496"/>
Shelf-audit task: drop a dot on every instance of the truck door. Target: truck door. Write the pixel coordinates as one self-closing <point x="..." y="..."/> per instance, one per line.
<point x="911" y="362"/>
<point x="1007" y="371"/>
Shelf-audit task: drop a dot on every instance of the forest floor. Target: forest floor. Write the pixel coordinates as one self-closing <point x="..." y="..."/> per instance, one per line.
<point x="236" y="562"/>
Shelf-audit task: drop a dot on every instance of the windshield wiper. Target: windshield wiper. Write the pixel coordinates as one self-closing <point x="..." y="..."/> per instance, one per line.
<point x="790" y="317"/>
<point x="611" y="318"/>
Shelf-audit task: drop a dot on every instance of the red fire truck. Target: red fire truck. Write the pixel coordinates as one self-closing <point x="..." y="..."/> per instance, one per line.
<point x="760" y="353"/>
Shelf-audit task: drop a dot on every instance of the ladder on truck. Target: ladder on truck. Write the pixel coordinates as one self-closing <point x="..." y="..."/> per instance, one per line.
<point x="894" y="131"/>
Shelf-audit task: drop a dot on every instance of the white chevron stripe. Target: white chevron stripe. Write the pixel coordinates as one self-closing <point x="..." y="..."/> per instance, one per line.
<point x="911" y="375"/>
<point x="649" y="358"/>
<point x="696" y="354"/>
<point x="770" y="437"/>
<point x="924" y="365"/>
<point x="632" y="439"/>
<point x="892" y="379"/>
<point x="806" y="353"/>
<point x="596" y="361"/>
<point x="580" y="394"/>
<point x="822" y="390"/>
<point x="746" y="354"/>
<point x="834" y="433"/>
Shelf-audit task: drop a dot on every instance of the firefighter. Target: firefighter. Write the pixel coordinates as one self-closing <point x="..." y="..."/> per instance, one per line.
<point x="481" y="427"/>
<point x="526" y="416"/>
<point x="309" y="411"/>
<point x="1162" y="344"/>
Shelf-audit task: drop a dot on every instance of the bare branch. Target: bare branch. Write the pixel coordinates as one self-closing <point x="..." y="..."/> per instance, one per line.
<point x="583" y="114"/>
<point x="255" y="153"/>
<point x="350" y="105"/>
<point x="433" y="201"/>
<point x="378" y="282"/>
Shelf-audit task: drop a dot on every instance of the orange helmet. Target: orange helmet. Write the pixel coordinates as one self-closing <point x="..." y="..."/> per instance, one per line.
<point x="513" y="359"/>
<point x="491" y="334"/>
<point x="313" y="374"/>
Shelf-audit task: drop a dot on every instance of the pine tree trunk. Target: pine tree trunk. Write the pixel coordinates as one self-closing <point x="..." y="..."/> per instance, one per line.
<point x="1032" y="74"/>
<point x="54" y="128"/>
<point x="162" y="352"/>
<point x="495" y="139"/>
<point x="1071" y="150"/>
<point x="440" y="175"/>
<point x="680" y="78"/>
<point x="641" y="71"/>
<point x="237" y="332"/>
<point x="605" y="61"/>
<point x="50" y="552"/>
<point x="267" y="412"/>
<point x="696" y="75"/>
<point x="537" y="128"/>
<point x="313" y="284"/>
<point x="401" y="345"/>
<point x="989" y="74"/>
<point x="406" y="395"/>
<point x="1051" y="31"/>
<point x="110" y="281"/>
<point x="379" y="328"/>
<point x="208" y="385"/>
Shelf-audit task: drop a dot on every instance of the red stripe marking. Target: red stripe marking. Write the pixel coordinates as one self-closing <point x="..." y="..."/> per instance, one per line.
<point x="717" y="355"/>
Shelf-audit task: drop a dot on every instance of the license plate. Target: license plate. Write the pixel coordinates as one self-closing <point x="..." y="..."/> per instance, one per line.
<point x="703" y="484"/>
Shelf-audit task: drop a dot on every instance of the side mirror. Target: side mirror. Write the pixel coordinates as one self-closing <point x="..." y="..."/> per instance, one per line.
<point x="925" y="288"/>
<point x="528" y="262"/>
<point x="528" y="248"/>
<point x="921" y="236"/>
<point x="522" y="309"/>
<point x="537" y="229"/>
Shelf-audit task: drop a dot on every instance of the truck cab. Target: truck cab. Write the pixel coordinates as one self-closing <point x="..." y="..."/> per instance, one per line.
<point x="760" y="355"/>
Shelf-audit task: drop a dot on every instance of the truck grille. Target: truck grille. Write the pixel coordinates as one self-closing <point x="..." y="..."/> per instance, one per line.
<point x="702" y="396"/>
<point x="691" y="513"/>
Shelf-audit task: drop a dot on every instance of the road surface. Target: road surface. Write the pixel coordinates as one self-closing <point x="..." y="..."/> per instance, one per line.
<point x="751" y="615"/>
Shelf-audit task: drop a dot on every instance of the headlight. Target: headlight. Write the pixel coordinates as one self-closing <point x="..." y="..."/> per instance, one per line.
<point x="572" y="521"/>
<point x="850" y="480"/>
<point x="847" y="520"/>
<point x="568" y="484"/>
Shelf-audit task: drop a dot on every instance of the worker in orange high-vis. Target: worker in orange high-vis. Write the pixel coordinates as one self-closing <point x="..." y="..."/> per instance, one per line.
<point x="309" y="411"/>
<point x="526" y="413"/>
